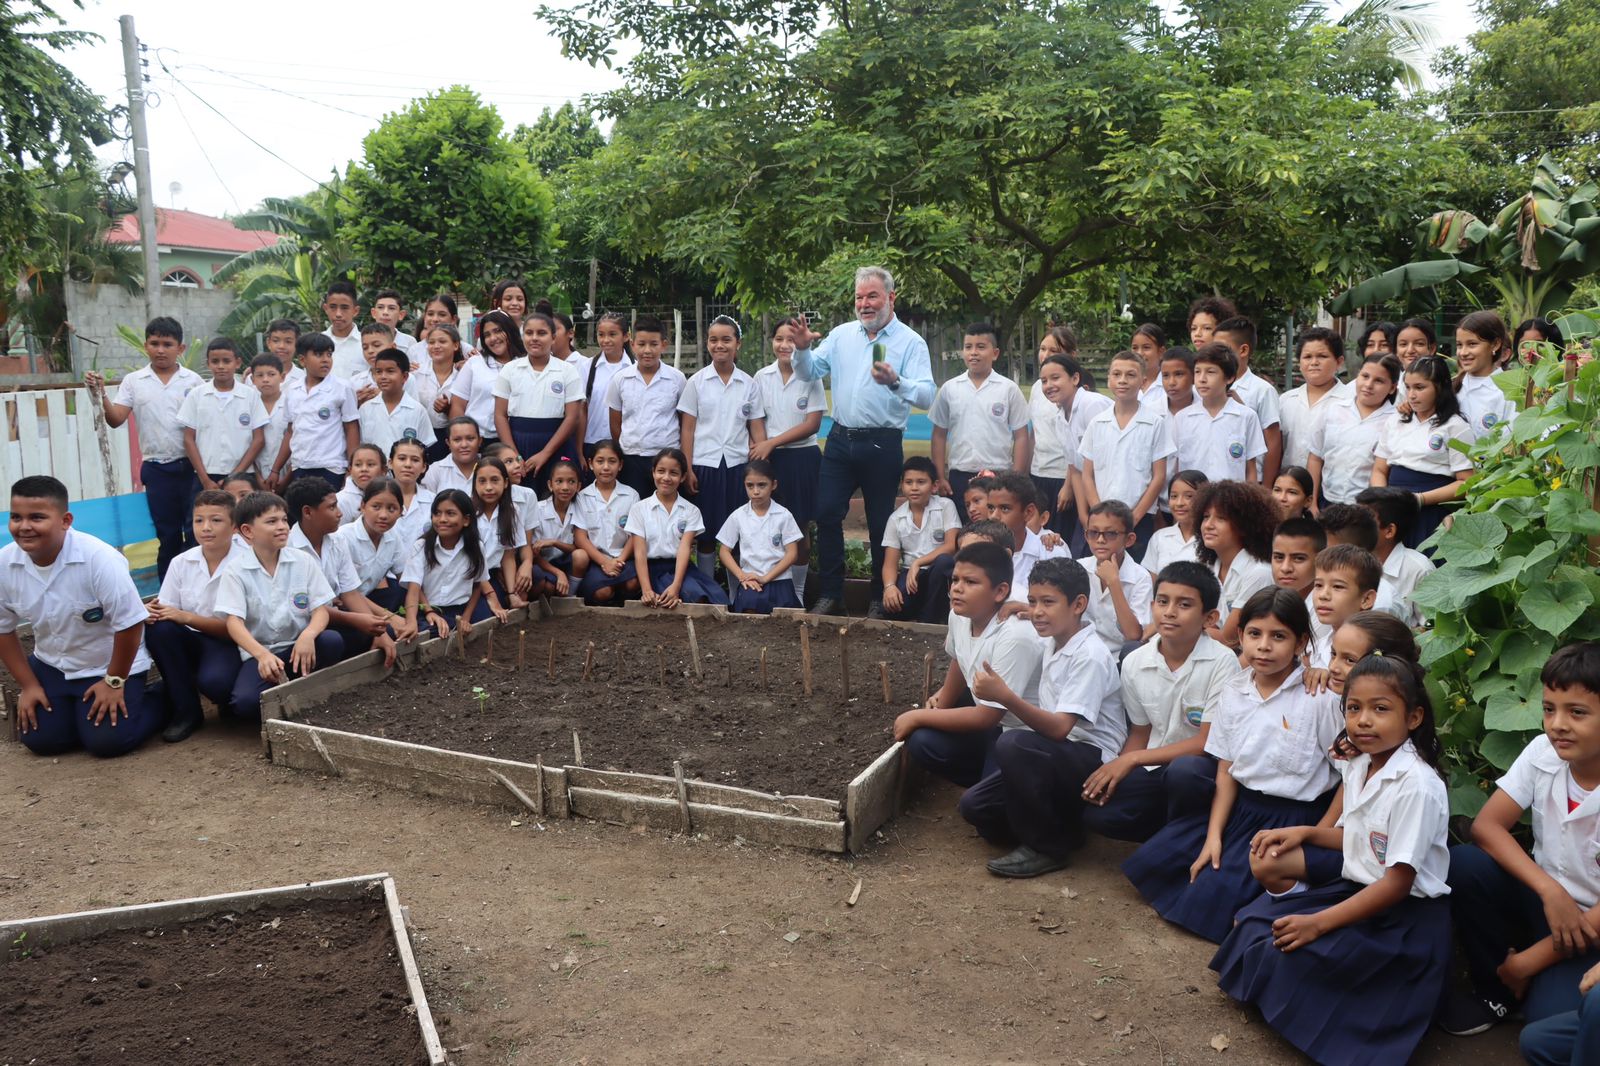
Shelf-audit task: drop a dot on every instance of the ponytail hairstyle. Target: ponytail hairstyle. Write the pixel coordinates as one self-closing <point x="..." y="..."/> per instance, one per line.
<point x="514" y="346"/>
<point x="505" y="516"/>
<point x="1422" y="326"/>
<point x="1388" y="636"/>
<point x="470" y="543"/>
<point x="1406" y="678"/>
<point x="607" y="445"/>
<point x="1154" y="332"/>
<point x="627" y="353"/>
<point x="550" y="469"/>
<point x="1391" y="366"/>
<point x="380" y="485"/>
<point x="455" y="339"/>
<point x="1284" y="605"/>
<point x="1437" y="371"/>
<point x="1489" y="326"/>
<point x="545" y="311"/>
<point x="409" y="442"/>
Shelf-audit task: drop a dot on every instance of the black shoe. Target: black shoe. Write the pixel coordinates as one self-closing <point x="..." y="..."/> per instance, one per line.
<point x="1025" y="862"/>
<point x="1468" y="1014"/>
<point x="181" y="728"/>
<point x="826" y="605"/>
<point x="876" y="610"/>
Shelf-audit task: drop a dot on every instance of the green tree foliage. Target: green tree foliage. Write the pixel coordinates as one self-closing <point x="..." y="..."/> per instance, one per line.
<point x="995" y="153"/>
<point x="287" y="279"/>
<point x="560" y="137"/>
<point x="48" y="119"/>
<point x="443" y="201"/>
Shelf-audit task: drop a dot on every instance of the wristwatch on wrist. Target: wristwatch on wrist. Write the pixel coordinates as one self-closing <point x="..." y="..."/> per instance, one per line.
<point x="114" y="682"/>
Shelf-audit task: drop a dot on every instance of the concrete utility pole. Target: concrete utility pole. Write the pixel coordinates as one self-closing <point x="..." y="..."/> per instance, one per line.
<point x="132" y="67"/>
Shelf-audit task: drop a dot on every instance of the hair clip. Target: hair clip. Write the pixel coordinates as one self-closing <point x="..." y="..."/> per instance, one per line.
<point x="729" y="320"/>
<point x="1378" y="652"/>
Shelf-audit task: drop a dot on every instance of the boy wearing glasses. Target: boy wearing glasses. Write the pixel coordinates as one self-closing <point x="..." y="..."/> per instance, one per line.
<point x="1119" y="588"/>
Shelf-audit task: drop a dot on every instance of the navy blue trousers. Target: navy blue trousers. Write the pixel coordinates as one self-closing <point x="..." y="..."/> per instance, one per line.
<point x="1146" y="800"/>
<point x="961" y="758"/>
<point x="169" y="491"/>
<point x="192" y="665"/>
<point x="1571" y="1038"/>
<point x="335" y="480"/>
<point x="931" y="602"/>
<point x="249" y="685"/>
<point x="1035" y="794"/>
<point x="66" y="727"/>
<point x="871" y="464"/>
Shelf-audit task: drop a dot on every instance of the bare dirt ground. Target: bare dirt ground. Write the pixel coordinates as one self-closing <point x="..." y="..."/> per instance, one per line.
<point x="577" y="942"/>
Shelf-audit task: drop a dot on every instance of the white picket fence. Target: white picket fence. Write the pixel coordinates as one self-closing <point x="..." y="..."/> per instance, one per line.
<point x="55" y="432"/>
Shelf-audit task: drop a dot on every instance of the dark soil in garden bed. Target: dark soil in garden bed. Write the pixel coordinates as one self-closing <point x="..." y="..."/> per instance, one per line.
<point x="725" y="728"/>
<point x="288" y="984"/>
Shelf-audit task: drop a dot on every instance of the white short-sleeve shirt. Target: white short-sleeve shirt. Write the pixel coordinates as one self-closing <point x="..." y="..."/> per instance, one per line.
<point x="1011" y="646"/>
<point x="425" y="387"/>
<point x="1421" y="446"/>
<point x="1025" y="558"/>
<point x="1080" y="678"/>
<point x="1278" y="744"/>
<point x="348" y="360"/>
<point x="1401" y="572"/>
<point x="155" y="409"/>
<point x="494" y="549"/>
<point x="531" y="393"/>
<point x="1218" y="446"/>
<point x="1167" y="546"/>
<point x="475" y="384"/>
<point x="1565" y="842"/>
<point x="789" y="403"/>
<point x="980" y="418"/>
<point x="1256" y="393"/>
<point x="415" y="519"/>
<point x="914" y="541"/>
<point x="1175" y="703"/>
<point x="662" y="527"/>
<point x="1347" y="440"/>
<point x="760" y="539"/>
<point x="191" y="585"/>
<point x="1483" y="405"/>
<point x="649" y="409"/>
<point x="1102" y="612"/>
<point x="1124" y="456"/>
<point x="317" y="417"/>
<point x="276" y="607"/>
<point x="272" y="434"/>
<point x="448" y="584"/>
<point x="374" y="563"/>
<point x="1246" y="576"/>
<point x="223" y="423"/>
<point x="445" y="474"/>
<point x="605" y="520"/>
<point x="349" y="499"/>
<point x="337" y="565"/>
<point x="1398" y="816"/>
<point x="1086" y="407"/>
<point x="77" y="609"/>
<point x="408" y="421"/>
<point x="1299" y="418"/>
<point x="1049" y="454"/>
<point x="550" y="524"/>
<point x="597" y="375"/>
<point x="722" y="411"/>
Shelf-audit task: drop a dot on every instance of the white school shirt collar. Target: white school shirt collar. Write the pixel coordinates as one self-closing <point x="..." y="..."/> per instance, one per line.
<point x="78" y="555"/>
<point x="722" y="417"/>
<point x="1362" y="792"/>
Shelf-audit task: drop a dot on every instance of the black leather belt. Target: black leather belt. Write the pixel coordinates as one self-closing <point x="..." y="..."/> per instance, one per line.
<point x="869" y="433"/>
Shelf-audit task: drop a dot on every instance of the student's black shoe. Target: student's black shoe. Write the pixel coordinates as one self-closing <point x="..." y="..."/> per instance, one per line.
<point x="876" y="610"/>
<point x="827" y="605"/>
<point x="181" y="728"/>
<point x="1025" y="862"/>
<point x="1468" y="1014"/>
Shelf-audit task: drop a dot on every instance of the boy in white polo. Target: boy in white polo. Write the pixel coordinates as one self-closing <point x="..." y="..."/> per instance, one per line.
<point x="84" y="684"/>
<point x="1119" y="588"/>
<point x="394" y="414"/>
<point x="223" y="422"/>
<point x="323" y="418"/>
<point x="919" y="544"/>
<point x="1125" y="452"/>
<point x="980" y="419"/>
<point x="1239" y="334"/>
<point x="275" y="599"/>
<point x="643" y="400"/>
<point x="1218" y="436"/>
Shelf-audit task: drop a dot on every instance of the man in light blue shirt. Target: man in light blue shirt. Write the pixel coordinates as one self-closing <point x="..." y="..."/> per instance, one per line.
<point x="879" y="370"/>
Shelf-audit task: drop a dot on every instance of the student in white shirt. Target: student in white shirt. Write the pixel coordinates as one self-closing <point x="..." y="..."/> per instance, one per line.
<point x="222" y="421"/>
<point x="1125" y="452"/>
<point x="1271" y="738"/>
<point x="1482" y="347"/>
<point x="643" y="401"/>
<point x="407" y="465"/>
<point x="504" y="539"/>
<point x="282" y="333"/>
<point x="611" y="333"/>
<point x="366" y="463"/>
<point x="1239" y="334"/>
<point x="1218" y="436"/>
<point x="187" y="641"/>
<point x="1170" y="685"/>
<point x="557" y="559"/>
<point x="323" y="419"/>
<point x="538" y="404"/>
<point x="1179" y="541"/>
<point x="1363" y="891"/>
<point x="1149" y="343"/>
<point x="794" y="408"/>
<point x="375" y="549"/>
<point x="1414" y="451"/>
<point x="662" y="530"/>
<point x="275" y="599"/>
<point x="154" y="394"/>
<point x="720" y="418"/>
<point x="387" y="310"/>
<point x="1524" y="923"/>
<point x="919" y="543"/>
<point x="1034" y="799"/>
<point x="360" y="623"/>
<point x="766" y="538"/>
<point x="472" y="395"/>
<point x="600" y="529"/>
<point x="266" y="377"/>
<point x="393" y="414"/>
<point x="1050" y="466"/>
<point x="375" y="337"/>
<point x="980" y="418"/>
<point x="1237" y="522"/>
<point x="1345" y="438"/>
<point x="1320" y="354"/>
<point x="1119" y="588"/>
<point x="954" y="736"/>
<point x="339" y="303"/>
<point x="431" y="382"/>
<point x="84" y="684"/>
<point x="446" y="576"/>
<point x="1403" y="567"/>
<point x="465" y="441"/>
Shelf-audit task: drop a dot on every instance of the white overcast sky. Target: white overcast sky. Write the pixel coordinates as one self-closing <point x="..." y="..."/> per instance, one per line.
<point x="309" y="80"/>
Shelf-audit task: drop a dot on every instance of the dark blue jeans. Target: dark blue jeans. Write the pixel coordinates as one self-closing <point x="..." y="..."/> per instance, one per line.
<point x="868" y="460"/>
<point x="169" y="491"/>
<point x="961" y="758"/>
<point x="66" y="725"/>
<point x="1568" y="1039"/>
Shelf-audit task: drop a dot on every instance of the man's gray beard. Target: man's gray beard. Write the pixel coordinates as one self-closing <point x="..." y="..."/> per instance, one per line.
<point x="878" y="321"/>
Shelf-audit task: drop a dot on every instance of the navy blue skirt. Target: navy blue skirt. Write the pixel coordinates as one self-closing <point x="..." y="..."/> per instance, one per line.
<point x="595" y="579"/>
<point x="1431" y="516"/>
<point x="1160" y="868"/>
<point x="1363" y="993"/>
<point x="774" y="594"/>
<point x="531" y="435"/>
<point x="697" y="588"/>
<point x="799" y="471"/>
<point x="721" y="493"/>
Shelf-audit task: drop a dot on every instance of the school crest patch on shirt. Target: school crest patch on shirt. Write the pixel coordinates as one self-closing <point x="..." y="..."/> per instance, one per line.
<point x="302" y="601"/>
<point x="1436" y="442"/>
<point x="802" y="403"/>
<point x="324" y="413"/>
<point x="1236" y="449"/>
<point x="997" y="409"/>
<point x="683" y="526"/>
<point x="94" y="614"/>
<point x="1490" y="420"/>
<point x="777" y="540"/>
<point x="408" y="434"/>
<point x="244" y="418"/>
<point x="1379" y="843"/>
<point x="1195" y="716"/>
<point x="557" y="388"/>
<point x="746" y="408"/>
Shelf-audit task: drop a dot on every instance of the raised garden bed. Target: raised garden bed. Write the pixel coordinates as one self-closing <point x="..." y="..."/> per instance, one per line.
<point x="321" y="972"/>
<point x="749" y="753"/>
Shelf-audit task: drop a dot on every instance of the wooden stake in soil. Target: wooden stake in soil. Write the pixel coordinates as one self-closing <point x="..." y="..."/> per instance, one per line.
<point x="550" y="671"/>
<point x="521" y="796"/>
<point x="661" y="663"/>
<point x="694" y="649"/>
<point x="522" y="646"/>
<point x="488" y="656"/>
<point x="805" y="656"/>
<point x="461" y="638"/>
<point x="588" y="660"/>
<point x="538" y="780"/>
<point x="883" y="673"/>
<point x="577" y="750"/>
<point x="927" y="678"/>
<point x="683" y="795"/>
<point x="844" y="660"/>
<point x="763" y="666"/>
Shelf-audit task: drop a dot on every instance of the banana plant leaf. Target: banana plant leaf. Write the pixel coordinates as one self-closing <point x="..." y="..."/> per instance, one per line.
<point x="1393" y="284"/>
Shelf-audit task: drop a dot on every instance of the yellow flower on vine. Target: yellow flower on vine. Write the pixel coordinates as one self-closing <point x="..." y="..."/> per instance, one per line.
<point x="1461" y="701"/>
<point x="1470" y="653"/>
<point x="1555" y="483"/>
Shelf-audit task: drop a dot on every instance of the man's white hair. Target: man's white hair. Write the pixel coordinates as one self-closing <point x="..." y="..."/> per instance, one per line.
<point x="879" y="274"/>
